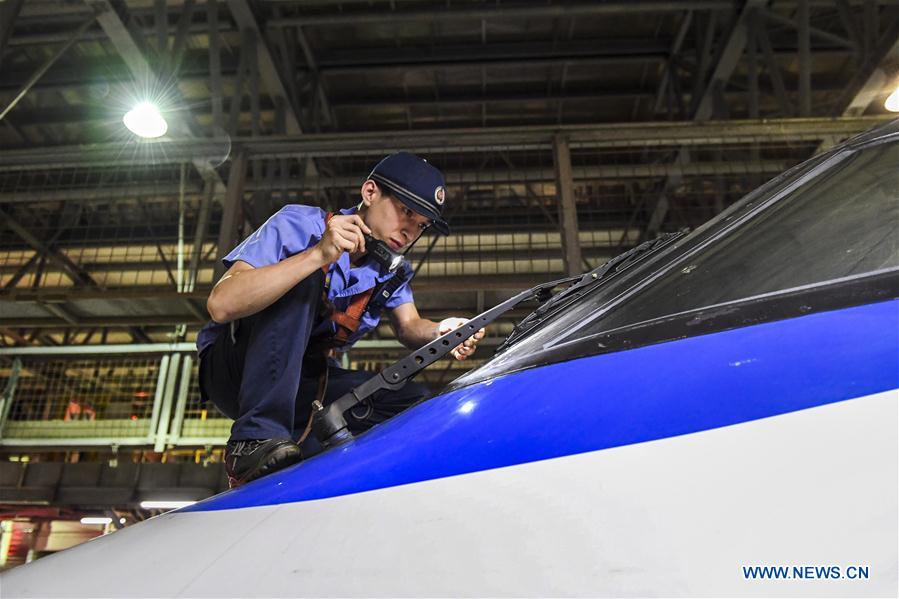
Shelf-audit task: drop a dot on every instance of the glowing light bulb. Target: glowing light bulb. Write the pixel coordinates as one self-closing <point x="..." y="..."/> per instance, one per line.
<point x="165" y="505"/>
<point x="892" y="103"/>
<point x="145" y="120"/>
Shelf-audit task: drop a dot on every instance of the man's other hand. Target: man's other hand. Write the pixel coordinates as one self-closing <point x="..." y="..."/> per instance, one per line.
<point x="467" y="347"/>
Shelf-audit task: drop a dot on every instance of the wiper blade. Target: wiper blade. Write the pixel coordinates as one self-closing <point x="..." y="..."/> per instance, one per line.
<point x="588" y="281"/>
<point x="328" y="421"/>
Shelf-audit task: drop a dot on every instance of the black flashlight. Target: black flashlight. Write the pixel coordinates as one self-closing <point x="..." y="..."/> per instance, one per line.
<point x="382" y="254"/>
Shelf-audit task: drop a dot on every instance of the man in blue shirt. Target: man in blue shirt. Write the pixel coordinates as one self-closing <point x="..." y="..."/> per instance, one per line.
<point x="300" y="285"/>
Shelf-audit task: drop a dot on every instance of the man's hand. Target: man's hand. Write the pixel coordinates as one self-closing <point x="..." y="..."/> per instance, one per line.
<point x="343" y="233"/>
<point x="467" y="347"/>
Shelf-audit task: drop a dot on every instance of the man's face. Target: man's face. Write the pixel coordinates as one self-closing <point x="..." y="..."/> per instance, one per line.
<point x="391" y="221"/>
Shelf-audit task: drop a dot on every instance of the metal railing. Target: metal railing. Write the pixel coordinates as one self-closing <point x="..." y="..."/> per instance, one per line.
<point x="114" y="395"/>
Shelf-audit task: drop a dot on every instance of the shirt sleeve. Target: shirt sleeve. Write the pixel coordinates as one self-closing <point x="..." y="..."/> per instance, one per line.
<point x="403" y="295"/>
<point x="291" y="230"/>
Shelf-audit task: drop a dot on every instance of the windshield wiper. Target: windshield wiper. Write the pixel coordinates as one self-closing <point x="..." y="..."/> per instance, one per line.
<point x="328" y="422"/>
<point x="588" y="281"/>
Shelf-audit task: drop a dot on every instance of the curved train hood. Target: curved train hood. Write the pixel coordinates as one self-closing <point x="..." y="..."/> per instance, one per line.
<point x="425" y="476"/>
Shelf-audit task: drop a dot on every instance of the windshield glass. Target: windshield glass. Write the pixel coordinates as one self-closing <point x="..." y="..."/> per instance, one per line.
<point x="823" y="224"/>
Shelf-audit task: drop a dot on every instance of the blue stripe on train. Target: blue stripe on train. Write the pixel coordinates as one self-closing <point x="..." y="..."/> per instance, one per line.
<point x="593" y="403"/>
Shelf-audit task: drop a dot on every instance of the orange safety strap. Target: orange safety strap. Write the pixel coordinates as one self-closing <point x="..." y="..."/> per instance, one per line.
<point x="347" y="322"/>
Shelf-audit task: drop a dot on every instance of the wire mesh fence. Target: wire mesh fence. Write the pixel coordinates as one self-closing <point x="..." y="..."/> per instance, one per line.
<point x="79" y="396"/>
<point x="87" y="397"/>
<point x="201" y="420"/>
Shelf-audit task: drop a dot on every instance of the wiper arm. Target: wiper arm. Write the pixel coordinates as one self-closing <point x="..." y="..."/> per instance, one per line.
<point x="328" y="423"/>
<point x="587" y="281"/>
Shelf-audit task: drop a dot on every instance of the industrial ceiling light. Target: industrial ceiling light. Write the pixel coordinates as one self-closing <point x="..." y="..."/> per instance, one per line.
<point x="96" y="520"/>
<point x="892" y="103"/>
<point x="145" y="120"/>
<point x="165" y="505"/>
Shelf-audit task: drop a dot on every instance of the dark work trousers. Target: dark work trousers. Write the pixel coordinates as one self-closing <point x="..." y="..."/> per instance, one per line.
<point x="254" y="373"/>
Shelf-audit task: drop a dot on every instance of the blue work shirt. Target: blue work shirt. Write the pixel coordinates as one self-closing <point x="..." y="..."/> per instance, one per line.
<point x="294" y="229"/>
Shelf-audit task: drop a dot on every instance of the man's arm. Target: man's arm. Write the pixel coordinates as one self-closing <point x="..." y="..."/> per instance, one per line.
<point x="413" y="331"/>
<point x="244" y="290"/>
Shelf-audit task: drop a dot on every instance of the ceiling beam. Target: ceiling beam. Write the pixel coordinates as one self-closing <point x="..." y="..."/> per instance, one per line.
<point x="704" y="106"/>
<point x="45" y="67"/>
<point x="612" y="135"/>
<point x="72" y="270"/>
<point x="605" y="172"/>
<point x="111" y="76"/>
<point x="548" y="11"/>
<point x="268" y="71"/>
<point x="9" y="11"/>
<point x="113" y="20"/>
<point x="876" y="73"/>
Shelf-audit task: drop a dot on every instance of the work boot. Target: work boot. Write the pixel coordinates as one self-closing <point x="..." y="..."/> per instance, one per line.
<point x="251" y="459"/>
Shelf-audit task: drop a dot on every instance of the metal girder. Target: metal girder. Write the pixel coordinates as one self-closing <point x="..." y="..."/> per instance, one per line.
<point x="106" y="74"/>
<point x="361" y="102"/>
<point x="668" y="76"/>
<point x="509" y="54"/>
<point x="233" y="212"/>
<point x="822" y="35"/>
<point x="161" y="21"/>
<point x="215" y="68"/>
<point x="165" y="321"/>
<point x="23" y="270"/>
<point x="752" y="67"/>
<point x="534" y="62"/>
<point x="851" y="26"/>
<point x="42" y="39"/>
<point x="126" y="44"/>
<point x="75" y="272"/>
<point x="455" y="54"/>
<point x="245" y="19"/>
<point x="268" y="71"/>
<point x="60" y="312"/>
<point x="9" y="11"/>
<point x="511" y="176"/>
<point x="620" y="135"/>
<point x="46" y="66"/>
<point x="199" y="237"/>
<point x="179" y="46"/>
<point x="318" y="84"/>
<point x="727" y="62"/>
<point x="571" y="249"/>
<point x="877" y="71"/>
<point x="780" y="90"/>
<point x="805" y="59"/>
<point x="72" y="270"/>
<point x="17" y="338"/>
<point x="344" y="18"/>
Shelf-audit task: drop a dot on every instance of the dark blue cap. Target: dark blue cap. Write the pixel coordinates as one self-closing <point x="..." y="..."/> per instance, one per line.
<point x="415" y="183"/>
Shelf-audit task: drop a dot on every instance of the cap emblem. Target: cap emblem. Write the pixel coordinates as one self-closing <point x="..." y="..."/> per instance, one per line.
<point x="440" y="195"/>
